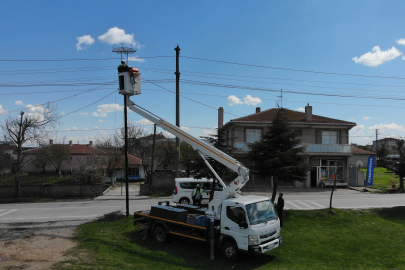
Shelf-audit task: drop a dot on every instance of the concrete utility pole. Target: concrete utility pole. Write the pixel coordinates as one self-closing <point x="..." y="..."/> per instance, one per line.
<point x="177" y="49"/>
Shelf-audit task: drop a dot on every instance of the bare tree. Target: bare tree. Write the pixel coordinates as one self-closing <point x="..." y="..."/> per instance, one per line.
<point x="5" y="161"/>
<point x="41" y="160"/>
<point x="59" y="154"/>
<point x="33" y="127"/>
<point x="112" y="154"/>
<point x="91" y="170"/>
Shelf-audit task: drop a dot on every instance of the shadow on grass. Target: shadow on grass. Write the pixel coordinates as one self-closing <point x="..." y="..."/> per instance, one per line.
<point x="394" y="214"/>
<point x="196" y="254"/>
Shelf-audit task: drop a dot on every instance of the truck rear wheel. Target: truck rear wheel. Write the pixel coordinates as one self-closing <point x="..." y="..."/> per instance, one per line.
<point x="160" y="235"/>
<point x="230" y="251"/>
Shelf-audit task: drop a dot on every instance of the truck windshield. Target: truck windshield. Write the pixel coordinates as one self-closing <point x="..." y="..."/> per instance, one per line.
<point x="261" y="212"/>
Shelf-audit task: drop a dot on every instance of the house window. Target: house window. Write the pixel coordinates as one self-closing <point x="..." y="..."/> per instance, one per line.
<point x="327" y="137"/>
<point x="133" y="171"/>
<point x="253" y="135"/>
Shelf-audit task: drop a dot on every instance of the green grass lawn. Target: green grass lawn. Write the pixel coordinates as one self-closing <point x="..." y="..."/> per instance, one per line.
<point x="382" y="178"/>
<point x="372" y="239"/>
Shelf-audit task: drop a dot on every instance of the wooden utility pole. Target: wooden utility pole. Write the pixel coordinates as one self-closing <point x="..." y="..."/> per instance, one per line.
<point x="153" y="157"/>
<point x="177" y="49"/>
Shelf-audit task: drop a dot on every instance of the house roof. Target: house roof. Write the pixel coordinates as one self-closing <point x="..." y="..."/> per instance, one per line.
<point x="387" y="139"/>
<point x="359" y="151"/>
<point x="75" y="149"/>
<point x="5" y="147"/>
<point x="132" y="160"/>
<point x="267" y="116"/>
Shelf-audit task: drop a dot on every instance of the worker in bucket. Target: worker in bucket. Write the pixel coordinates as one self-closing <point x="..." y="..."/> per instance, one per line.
<point x="123" y="67"/>
<point x="197" y="195"/>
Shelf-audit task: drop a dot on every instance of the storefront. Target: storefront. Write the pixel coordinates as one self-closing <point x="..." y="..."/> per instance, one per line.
<point x="326" y="169"/>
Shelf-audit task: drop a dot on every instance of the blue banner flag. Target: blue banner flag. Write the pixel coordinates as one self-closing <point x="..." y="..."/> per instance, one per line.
<point x="370" y="170"/>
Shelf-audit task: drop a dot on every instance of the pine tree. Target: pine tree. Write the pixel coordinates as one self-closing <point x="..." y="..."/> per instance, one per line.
<point x="277" y="154"/>
<point x="399" y="167"/>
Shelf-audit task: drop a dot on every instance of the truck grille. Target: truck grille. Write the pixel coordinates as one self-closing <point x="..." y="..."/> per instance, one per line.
<point x="268" y="234"/>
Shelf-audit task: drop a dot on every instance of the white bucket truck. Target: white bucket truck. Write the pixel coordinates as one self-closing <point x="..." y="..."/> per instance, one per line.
<point x="233" y="222"/>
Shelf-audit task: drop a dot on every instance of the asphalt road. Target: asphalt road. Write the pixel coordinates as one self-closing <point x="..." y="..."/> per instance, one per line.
<point x="83" y="211"/>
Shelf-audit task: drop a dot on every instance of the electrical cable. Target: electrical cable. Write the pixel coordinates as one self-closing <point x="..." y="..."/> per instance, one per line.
<point x="290" y="69"/>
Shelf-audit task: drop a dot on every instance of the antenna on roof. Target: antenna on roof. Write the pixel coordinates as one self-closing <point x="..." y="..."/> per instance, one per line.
<point x="281" y="98"/>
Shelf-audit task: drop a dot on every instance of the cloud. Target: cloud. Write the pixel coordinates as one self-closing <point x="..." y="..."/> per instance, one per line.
<point x="234" y="100"/>
<point x="366" y="118"/>
<point x="136" y="59"/>
<point x="102" y="110"/>
<point x="184" y="128"/>
<point x="84" y="113"/>
<point x="18" y="102"/>
<point x="86" y="129"/>
<point x="383" y="127"/>
<point x="358" y="127"/>
<point x="101" y="121"/>
<point x="248" y="100"/>
<point x="33" y="109"/>
<point x="377" y="57"/>
<point x="83" y="140"/>
<point x="85" y="40"/>
<point x="167" y="134"/>
<point x="401" y="41"/>
<point x="144" y="122"/>
<point x="71" y="129"/>
<point x="116" y="35"/>
<point x="96" y="114"/>
<point x="300" y="109"/>
<point x="2" y="111"/>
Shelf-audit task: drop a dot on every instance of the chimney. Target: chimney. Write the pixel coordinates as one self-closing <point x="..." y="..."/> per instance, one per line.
<point x="50" y="142"/>
<point x="308" y="113"/>
<point x="70" y="143"/>
<point x="257" y="109"/>
<point x="90" y="143"/>
<point x="220" y="117"/>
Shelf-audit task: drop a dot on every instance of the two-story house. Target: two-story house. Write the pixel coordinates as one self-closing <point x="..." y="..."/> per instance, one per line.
<point x="389" y="143"/>
<point x="326" y="141"/>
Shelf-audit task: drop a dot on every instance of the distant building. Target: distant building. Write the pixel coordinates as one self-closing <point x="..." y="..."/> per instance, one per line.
<point x="390" y="145"/>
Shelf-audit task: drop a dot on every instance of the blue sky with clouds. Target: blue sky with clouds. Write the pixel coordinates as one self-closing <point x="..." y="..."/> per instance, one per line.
<point x="345" y="58"/>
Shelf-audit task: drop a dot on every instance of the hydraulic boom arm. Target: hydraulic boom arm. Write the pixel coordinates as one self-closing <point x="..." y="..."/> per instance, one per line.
<point x="203" y="147"/>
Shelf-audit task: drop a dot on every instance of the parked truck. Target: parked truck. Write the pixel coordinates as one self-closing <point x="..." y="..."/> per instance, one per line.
<point x="231" y="222"/>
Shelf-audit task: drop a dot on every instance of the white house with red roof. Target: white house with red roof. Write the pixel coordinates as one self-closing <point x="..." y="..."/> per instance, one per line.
<point x="326" y="141"/>
<point x="77" y="153"/>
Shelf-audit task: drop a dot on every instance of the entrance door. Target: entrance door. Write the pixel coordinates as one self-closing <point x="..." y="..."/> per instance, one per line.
<point x="314" y="177"/>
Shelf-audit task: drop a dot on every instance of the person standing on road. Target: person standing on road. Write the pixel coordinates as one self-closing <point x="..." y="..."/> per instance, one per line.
<point x="197" y="195"/>
<point x="280" y="206"/>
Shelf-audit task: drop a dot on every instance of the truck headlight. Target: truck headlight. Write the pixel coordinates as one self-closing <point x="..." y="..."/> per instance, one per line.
<point x="253" y="240"/>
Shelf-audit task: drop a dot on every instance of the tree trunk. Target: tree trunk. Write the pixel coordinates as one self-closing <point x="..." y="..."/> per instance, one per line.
<point x="331" y="195"/>
<point x="275" y="184"/>
<point x="17" y="184"/>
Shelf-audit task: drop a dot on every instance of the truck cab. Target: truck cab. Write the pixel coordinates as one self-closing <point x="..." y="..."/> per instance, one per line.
<point x="249" y="224"/>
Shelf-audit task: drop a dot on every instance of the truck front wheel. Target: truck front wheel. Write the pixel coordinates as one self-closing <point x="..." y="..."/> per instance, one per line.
<point x="160" y="235"/>
<point x="230" y="251"/>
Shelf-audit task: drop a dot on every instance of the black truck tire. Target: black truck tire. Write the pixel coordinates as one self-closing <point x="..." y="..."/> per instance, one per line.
<point x="184" y="200"/>
<point x="160" y="235"/>
<point x="230" y="251"/>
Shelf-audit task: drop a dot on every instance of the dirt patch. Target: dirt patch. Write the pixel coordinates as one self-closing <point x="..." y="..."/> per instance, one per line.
<point x="34" y="248"/>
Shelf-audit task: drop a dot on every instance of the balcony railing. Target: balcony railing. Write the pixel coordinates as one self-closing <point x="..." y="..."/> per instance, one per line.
<point x="309" y="148"/>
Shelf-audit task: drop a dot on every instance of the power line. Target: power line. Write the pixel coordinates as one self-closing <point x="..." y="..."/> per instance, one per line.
<point x="82" y="59"/>
<point x="75" y="95"/>
<point x="189" y="98"/>
<point x="290" y="69"/>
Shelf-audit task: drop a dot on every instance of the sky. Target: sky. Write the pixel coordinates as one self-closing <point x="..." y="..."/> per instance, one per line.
<point x="344" y="58"/>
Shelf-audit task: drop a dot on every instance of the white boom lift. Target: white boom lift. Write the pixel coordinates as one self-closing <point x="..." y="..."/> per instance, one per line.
<point x="242" y="223"/>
